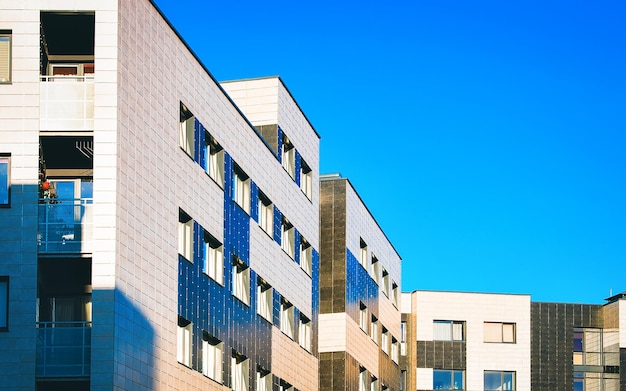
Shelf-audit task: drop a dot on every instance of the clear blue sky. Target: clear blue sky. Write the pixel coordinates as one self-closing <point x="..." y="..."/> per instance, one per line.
<point x="488" y="138"/>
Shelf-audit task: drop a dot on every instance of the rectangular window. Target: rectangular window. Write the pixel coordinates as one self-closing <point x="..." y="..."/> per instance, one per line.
<point x="375" y="270"/>
<point x="4" y="303"/>
<point x="266" y="214"/>
<point x="5" y="179"/>
<point x="385" y="340"/>
<point x="363" y="253"/>
<point x="265" y="297"/>
<point x="241" y="189"/>
<point x="213" y="258"/>
<point x="241" y="281"/>
<point x="403" y="338"/>
<point x="588" y="348"/>
<point x="395" y="350"/>
<point x="306" y="179"/>
<point x="499" y="332"/>
<point x="185" y="235"/>
<point x="184" y="341"/>
<point x="212" y="357"/>
<point x="305" y="332"/>
<point x="403" y="381"/>
<point x="289" y="157"/>
<point x="287" y="238"/>
<point x="240" y="368"/>
<point x="5" y="56"/>
<point x="362" y="379"/>
<point x="214" y="155"/>
<point x="385" y="283"/>
<point x="286" y="317"/>
<point x="448" y="330"/>
<point x="263" y="380"/>
<point x="448" y="379"/>
<point x="284" y="386"/>
<point x="395" y="294"/>
<point x="363" y="316"/>
<point x="306" y="256"/>
<point x="373" y="384"/>
<point x="374" y="329"/>
<point x="187" y="131"/>
<point x="499" y="381"/>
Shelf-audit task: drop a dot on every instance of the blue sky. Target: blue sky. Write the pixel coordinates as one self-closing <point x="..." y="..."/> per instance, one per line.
<point x="487" y="138"/>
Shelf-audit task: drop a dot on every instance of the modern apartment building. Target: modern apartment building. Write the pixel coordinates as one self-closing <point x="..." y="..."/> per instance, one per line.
<point x="154" y="234"/>
<point x="485" y="341"/>
<point x="359" y="324"/>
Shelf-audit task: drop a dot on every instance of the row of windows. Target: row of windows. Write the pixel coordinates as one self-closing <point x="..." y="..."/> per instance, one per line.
<point x="450" y="379"/>
<point x="389" y="287"/>
<point x="453" y="330"/>
<point x="387" y="340"/>
<point x="212" y="361"/>
<point x="211" y="159"/>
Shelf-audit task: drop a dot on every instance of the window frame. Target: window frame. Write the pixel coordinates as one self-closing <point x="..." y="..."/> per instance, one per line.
<point x="263" y="380"/>
<point x="187" y="131"/>
<point x="363" y="253"/>
<point x="451" y="373"/>
<point x="287" y="237"/>
<point x="363" y="317"/>
<point x="241" y="188"/>
<point x="4" y="303"/>
<point x="502" y="381"/>
<point x="213" y="258"/>
<point x="185" y="235"/>
<point x="5" y="183"/>
<point x="305" y="332"/>
<point x="8" y="34"/>
<point x="265" y="299"/>
<point x="240" y="281"/>
<point x="214" y="159"/>
<point x="288" y="160"/>
<point x="184" y="344"/>
<point x="375" y="268"/>
<point x="239" y="372"/>
<point x="384" y="341"/>
<point x="385" y="282"/>
<point x="286" y="317"/>
<point x="501" y="339"/>
<point x="266" y="214"/>
<point x="306" y="179"/>
<point x="306" y="256"/>
<point x="374" y="329"/>
<point x="451" y="330"/>
<point x="212" y="357"/>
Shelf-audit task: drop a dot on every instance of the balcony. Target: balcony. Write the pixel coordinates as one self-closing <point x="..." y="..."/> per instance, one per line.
<point x="66" y="103"/>
<point x="65" y="225"/>
<point x="63" y="349"/>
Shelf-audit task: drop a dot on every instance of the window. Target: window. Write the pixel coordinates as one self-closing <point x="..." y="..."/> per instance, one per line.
<point x="374" y="329"/>
<point x="403" y="338"/>
<point x="265" y="297"/>
<point x="373" y="384"/>
<point x="385" y="340"/>
<point x="241" y="281"/>
<point x="305" y="332"/>
<point x="286" y="317"/>
<point x="306" y="256"/>
<point x="5" y="179"/>
<point x="395" y="350"/>
<point x="289" y="157"/>
<point x="4" y="303"/>
<point x="499" y="332"/>
<point x="403" y="380"/>
<point x="499" y="381"/>
<point x="306" y="179"/>
<point x="266" y="214"/>
<point x="185" y="235"/>
<point x="284" y="386"/>
<point x="240" y="368"/>
<point x="5" y="56"/>
<point x="375" y="269"/>
<point x="448" y="330"/>
<point x="184" y="341"/>
<point x="241" y="189"/>
<point x="362" y="379"/>
<point x="212" y="357"/>
<point x="213" y="258"/>
<point x="395" y="294"/>
<point x="385" y="282"/>
<point x="363" y="253"/>
<point x="287" y="238"/>
<point x="214" y="155"/>
<point x="448" y="379"/>
<point x="363" y="316"/>
<point x="187" y="131"/>
<point x="263" y="380"/>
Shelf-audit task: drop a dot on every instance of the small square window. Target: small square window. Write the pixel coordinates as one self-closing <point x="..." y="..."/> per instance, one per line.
<point x="241" y="189"/>
<point x="241" y="281"/>
<point x="212" y="357"/>
<point x="306" y="179"/>
<point x="185" y="235"/>
<point x="184" y="341"/>
<point x="187" y="130"/>
<point x="287" y="239"/>
<point x="265" y="299"/>
<point x="214" y="155"/>
<point x="266" y="214"/>
<point x="4" y="303"/>
<point x="306" y="256"/>
<point x="5" y="56"/>
<point x="289" y="157"/>
<point x="5" y="179"/>
<point x="213" y="258"/>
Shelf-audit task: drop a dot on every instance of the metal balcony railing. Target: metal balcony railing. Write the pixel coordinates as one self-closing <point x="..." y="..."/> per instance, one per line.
<point x="66" y="103"/>
<point x="65" y="225"/>
<point x="63" y="349"/>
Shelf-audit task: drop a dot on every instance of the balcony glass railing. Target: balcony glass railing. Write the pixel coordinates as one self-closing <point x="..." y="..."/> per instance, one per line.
<point x="65" y="225"/>
<point x="63" y="349"/>
<point x="66" y="103"/>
